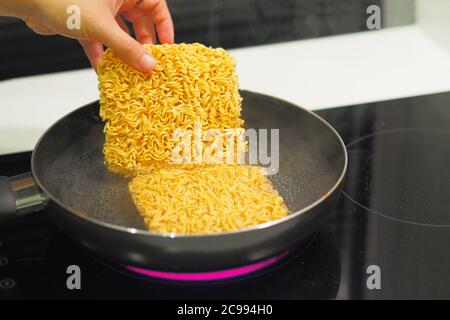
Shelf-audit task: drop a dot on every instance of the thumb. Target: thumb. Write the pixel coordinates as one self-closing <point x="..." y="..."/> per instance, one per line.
<point x="127" y="48"/>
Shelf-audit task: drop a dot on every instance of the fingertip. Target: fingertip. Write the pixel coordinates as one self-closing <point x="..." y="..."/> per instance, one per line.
<point x="95" y="61"/>
<point x="94" y="51"/>
<point x="169" y="40"/>
<point x="166" y="32"/>
<point x="146" y="40"/>
<point x="147" y="63"/>
<point x="166" y="37"/>
<point x="128" y="49"/>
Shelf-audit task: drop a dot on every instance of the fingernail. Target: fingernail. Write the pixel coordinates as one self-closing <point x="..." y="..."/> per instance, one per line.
<point x="147" y="63"/>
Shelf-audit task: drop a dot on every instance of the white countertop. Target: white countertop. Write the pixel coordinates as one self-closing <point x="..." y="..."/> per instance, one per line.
<point x="318" y="73"/>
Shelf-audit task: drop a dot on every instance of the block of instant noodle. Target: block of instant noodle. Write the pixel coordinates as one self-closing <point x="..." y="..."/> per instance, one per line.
<point x="181" y="110"/>
<point x="191" y="86"/>
<point x="209" y="199"/>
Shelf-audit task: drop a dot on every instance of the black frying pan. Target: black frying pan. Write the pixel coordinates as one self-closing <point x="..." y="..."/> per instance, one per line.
<point x="94" y="207"/>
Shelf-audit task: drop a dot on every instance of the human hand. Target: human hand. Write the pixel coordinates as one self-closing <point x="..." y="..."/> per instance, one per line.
<point x="101" y="23"/>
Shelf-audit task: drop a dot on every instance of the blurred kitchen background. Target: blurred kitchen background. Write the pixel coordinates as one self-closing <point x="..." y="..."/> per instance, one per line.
<point x="316" y="53"/>
<point x="228" y="24"/>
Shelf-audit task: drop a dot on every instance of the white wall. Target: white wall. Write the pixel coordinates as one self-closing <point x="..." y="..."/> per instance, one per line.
<point x="434" y="17"/>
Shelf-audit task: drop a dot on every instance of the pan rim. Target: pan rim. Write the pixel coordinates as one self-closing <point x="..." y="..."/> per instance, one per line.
<point x="141" y="232"/>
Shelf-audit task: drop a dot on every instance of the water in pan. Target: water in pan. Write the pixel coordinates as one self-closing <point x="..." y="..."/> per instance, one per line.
<point x="81" y="181"/>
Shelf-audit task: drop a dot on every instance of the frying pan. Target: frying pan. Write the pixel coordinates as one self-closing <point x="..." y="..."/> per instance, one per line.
<point x="93" y="206"/>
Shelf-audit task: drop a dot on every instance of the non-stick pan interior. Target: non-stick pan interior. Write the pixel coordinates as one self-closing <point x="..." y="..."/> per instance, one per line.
<point x="68" y="161"/>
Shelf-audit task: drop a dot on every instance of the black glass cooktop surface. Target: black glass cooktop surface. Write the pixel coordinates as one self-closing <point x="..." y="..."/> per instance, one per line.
<point x="388" y="238"/>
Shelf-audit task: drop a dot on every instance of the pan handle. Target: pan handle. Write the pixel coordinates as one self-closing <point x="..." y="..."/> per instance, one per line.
<point x="19" y="196"/>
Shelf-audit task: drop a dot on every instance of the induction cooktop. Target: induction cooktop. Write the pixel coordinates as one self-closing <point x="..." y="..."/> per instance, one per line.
<point x="388" y="236"/>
